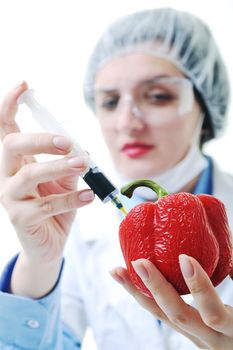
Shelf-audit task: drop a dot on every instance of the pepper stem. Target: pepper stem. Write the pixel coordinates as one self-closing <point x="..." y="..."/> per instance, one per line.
<point x="128" y="190"/>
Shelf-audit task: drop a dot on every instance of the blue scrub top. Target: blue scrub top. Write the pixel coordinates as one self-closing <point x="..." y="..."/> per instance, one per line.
<point x="205" y="181"/>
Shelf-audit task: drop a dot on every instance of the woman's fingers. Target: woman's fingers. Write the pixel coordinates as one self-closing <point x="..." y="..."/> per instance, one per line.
<point x="36" y="210"/>
<point x="60" y="204"/>
<point x="8" y="109"/>
<point x="16" y="146"/>
<point x="213" y="312"/>
<point x="179" y="313"/>
<point x="30" y="175"/>
<point x="208" y="326"/>
<point x="121" y="276"/>
<point x="62" y="185"/>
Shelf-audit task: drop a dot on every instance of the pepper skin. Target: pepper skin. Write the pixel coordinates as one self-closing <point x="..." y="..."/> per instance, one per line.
<point x="175" y="224"/>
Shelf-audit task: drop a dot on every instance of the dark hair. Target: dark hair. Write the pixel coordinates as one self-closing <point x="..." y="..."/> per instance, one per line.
<point x="207" y="132"/>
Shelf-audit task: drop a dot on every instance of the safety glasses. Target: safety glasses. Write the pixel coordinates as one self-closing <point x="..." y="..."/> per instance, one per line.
<point x="157" y="101"/>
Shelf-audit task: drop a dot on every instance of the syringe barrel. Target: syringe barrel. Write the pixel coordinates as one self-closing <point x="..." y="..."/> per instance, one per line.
<point x="97" y="181"/>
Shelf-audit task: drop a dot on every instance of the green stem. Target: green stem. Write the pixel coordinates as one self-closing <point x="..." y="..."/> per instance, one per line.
<point x="128" y="190"/>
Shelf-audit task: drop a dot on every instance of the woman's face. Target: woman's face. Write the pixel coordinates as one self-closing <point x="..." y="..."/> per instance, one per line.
<point x="128" y="103"/>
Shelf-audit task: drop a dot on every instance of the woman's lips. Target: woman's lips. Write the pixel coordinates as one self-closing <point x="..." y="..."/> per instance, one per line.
<point x="136" y="149"/>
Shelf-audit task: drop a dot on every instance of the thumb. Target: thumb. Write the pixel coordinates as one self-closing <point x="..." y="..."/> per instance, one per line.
<point x="8" y="110"/>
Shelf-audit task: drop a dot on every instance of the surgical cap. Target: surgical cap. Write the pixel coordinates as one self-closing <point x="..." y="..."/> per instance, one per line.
<point x="184" y="40"/>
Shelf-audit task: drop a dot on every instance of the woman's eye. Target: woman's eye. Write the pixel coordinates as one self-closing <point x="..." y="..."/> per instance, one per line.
<point x="110" y="103"/>
<point x="160" y="98"/>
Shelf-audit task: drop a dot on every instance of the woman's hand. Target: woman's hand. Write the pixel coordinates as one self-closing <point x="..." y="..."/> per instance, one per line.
<point x="209" y="325"/>
<point x="40" y="198"/>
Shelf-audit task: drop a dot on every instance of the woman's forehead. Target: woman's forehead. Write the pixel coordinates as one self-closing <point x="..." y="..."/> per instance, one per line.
<point x="158" y="81"/>
<point x="134" y="67"/>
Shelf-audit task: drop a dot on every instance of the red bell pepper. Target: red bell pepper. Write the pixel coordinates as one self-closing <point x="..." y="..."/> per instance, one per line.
<point x="175" y="224"/>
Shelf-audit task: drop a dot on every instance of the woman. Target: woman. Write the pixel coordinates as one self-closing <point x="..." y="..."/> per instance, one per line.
<point x="159" y="88"/>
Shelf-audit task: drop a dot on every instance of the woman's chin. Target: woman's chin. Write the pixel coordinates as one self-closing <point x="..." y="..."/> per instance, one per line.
<point x="134" y="174"/>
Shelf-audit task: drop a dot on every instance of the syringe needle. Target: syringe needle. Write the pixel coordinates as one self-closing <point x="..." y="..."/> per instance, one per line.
<point x="116" y="201"/>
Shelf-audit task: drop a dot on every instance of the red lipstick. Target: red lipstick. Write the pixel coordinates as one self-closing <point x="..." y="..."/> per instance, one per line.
<point x="136" y="149"/>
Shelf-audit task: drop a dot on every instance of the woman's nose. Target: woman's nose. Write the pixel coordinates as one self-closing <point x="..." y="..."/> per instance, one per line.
<point x="130" y="118"/>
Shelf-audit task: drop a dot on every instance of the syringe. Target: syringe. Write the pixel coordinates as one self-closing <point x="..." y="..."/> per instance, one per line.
<point x="93" y="176"/>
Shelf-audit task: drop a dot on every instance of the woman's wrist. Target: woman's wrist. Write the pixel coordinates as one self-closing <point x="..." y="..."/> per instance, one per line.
<point x="33" y="278"/>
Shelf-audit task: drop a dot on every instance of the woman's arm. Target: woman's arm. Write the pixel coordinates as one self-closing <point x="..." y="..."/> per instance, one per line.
<point x="40" y="198"/>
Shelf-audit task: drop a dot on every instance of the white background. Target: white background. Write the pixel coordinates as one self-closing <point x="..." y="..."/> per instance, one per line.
<point x="48" y="42"/>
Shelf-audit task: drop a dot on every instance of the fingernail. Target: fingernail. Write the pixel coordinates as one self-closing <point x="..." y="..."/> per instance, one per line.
<point x="78" y="162"/>
<point x="62" y="143"/>
<point x="186" y="266"/>
<point x="117" y="278"/>
<point x="86" y="196"/>
<point x="140" y="270"/>
<point x="18" y="85"/>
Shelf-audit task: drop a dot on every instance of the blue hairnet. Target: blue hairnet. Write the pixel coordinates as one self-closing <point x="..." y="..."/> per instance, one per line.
<point x="184" y="40"/>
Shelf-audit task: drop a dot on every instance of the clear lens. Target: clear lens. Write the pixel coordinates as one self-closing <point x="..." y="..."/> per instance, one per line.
<point x="157" y="101"/>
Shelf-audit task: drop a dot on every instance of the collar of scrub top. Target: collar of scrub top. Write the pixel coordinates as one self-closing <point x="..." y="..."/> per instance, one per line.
<point x="204" y="185"/>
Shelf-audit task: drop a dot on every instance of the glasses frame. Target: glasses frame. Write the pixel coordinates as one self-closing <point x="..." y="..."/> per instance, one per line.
<point x="186" y="95"/>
